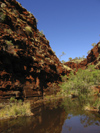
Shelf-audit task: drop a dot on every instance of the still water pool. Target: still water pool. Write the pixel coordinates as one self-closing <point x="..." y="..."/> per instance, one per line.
<point x="66" y="116"/>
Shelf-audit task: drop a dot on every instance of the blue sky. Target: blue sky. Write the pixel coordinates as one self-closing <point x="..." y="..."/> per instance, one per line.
<point x="71" y="26"/>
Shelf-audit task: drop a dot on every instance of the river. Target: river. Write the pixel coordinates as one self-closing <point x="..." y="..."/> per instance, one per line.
<point x="62" y="116"/>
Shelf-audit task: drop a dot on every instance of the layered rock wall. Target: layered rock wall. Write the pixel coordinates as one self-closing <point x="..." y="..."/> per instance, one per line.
<point x="93" y="58"/>
<point x="28" y="65"/>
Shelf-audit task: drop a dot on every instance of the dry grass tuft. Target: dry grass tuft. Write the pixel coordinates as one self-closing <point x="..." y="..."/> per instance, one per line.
<point x="15" y="109"/>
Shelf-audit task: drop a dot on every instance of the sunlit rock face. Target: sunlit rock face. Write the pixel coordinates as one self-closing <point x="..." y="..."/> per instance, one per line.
<point x="28" y="65"/>
<point x="93" y="58"/>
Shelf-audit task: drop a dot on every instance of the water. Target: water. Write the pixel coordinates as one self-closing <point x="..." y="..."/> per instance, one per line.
<point x="81" y="124"/>
<point x="56" y="117"/>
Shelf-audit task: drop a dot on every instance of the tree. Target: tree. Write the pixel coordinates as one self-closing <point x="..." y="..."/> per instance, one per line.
<point x="76" y="58"/>
<point x="63" y="61"/>
<point x="83" y="56"/>
<point x="93" y="44"/>
<point x="63" y="53"/>
<point x="89" y="52"/>
<point x="70" y="58"/>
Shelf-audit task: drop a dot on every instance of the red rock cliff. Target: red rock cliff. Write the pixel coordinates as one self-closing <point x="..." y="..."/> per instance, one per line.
<point x="28" y="65"/>
<point x="93" y="58"/>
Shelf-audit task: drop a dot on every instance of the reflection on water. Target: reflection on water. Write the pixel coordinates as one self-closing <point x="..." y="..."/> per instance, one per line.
<point x="48" y="119"/>
<point x="78" y="120"/>
<point x="80" y="124"/>
<point x="64" y="117"/>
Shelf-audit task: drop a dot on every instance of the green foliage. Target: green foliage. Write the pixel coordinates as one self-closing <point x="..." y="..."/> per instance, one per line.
<point x="36" y="21"/>
<point x="10" y="47"/>
<point x="41" y="33"/>
<point x="83" y="57"/>
<point x="9" y="31"/>
<point x="63" y="53"/>
<point x="97" y="103"/>
<point x="80" y="83"/>
<point x="2" y="17"/>
<point x="93" y="44"/>
<point x="28" y="30"/>
<point x="77" y="59"/>
<point x="70" y="58"/>
<point x="89" y="52"/>
<point x="63" y="61"/>
<point x="99" y="45"/>
<point x="12" y="99"/>
<point x="8" y="42"/>
<point x="73" y="106"/>
<point x="3" y="5"/>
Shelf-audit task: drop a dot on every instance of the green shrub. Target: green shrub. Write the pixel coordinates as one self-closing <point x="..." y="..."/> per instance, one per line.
<point x="9" y="42"/>
<point x="3" y="5"/>
<point x="80" y="83"/>
<point x="9" y="31"/>
<point x="41" y="33"/>
<point x="93" y="44"/>
<point x="70" y="58"/>
<point x="99" y="45"/>
<point x="28" y="30"/>
<point x="97" y="103"/>
<point x="10" y="47"/>
<point x="2" y="17"/>
<point x="12" y="99"/>
<point x="89" y="52"/>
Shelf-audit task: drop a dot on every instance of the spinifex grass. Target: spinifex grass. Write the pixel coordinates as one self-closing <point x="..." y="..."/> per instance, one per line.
<point x="15" y="108"/>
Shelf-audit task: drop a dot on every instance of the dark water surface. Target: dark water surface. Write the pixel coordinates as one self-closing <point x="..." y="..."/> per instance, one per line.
<point x="55" y="117"/>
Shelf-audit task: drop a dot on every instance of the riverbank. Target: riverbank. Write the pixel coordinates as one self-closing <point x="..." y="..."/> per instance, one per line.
<point x="92" y="101"/>
<point x="15" y="108"/>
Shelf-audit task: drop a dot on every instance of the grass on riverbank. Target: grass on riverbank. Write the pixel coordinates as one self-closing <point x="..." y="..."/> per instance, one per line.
<point x="15" y="108"/>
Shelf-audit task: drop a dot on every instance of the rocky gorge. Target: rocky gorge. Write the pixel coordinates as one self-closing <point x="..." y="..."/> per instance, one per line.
<point x="93" y="58"/>
<point x="28" y="65"/>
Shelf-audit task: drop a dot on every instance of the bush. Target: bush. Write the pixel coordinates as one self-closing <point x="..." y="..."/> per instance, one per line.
<point x="97" y="104"/>
<point x="99" y="45"/>
<point x="41" y="33"/>
<point x="2" y="17"/>
<point x="70" y="58"/>
<point x="12" y="99"/>
<point x="80" y="83"/>
<point x="16" y="108"/>
<point x="93" y="44"/>
<point x="28" y="30"/>
<point x="9" y="43"/>
<point x="89" y="52"/>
